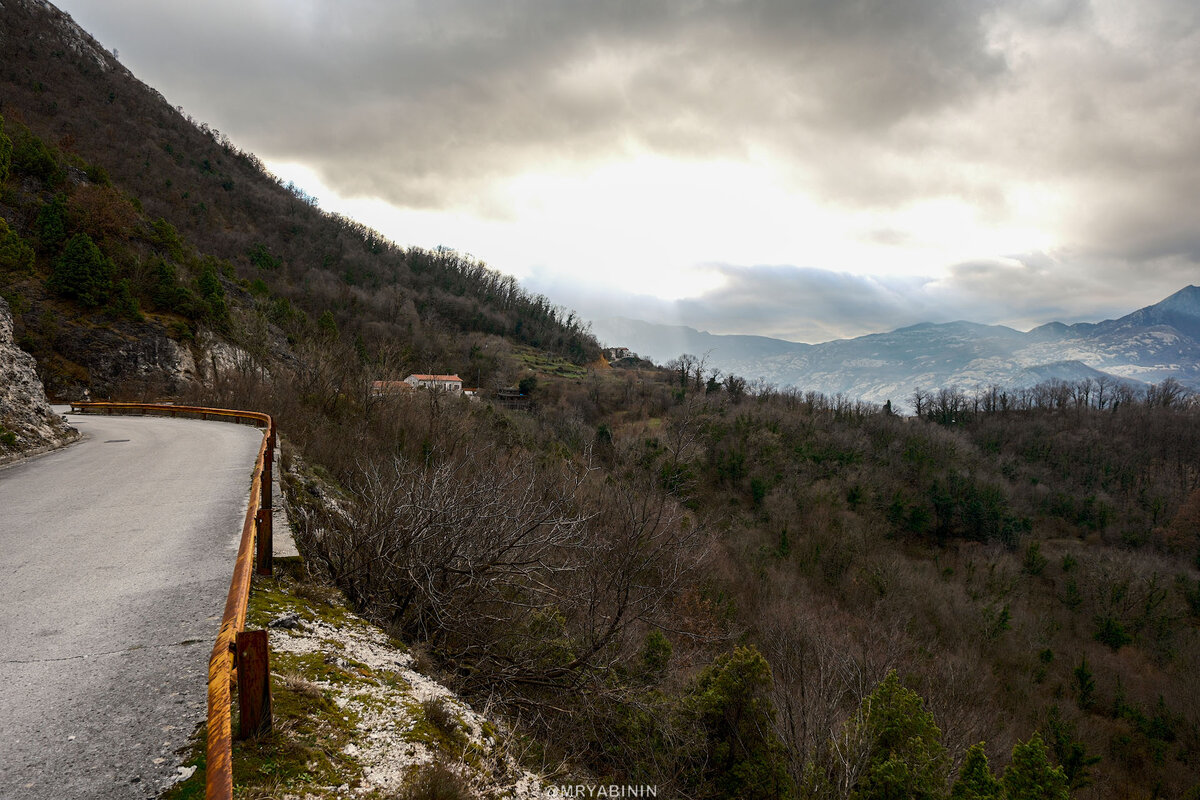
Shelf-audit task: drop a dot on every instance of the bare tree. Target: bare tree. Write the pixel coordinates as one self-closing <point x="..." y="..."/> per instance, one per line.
<point x="521" y="574"/>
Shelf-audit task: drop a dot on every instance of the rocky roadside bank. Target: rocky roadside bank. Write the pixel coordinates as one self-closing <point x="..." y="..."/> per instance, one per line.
<point x="28" y="425"/>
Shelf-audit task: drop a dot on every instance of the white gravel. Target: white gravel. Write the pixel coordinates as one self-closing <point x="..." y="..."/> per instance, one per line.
<point x="388" y="711"/>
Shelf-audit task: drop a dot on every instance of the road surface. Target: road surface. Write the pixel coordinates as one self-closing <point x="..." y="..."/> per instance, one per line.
<point x="115" y="558"/>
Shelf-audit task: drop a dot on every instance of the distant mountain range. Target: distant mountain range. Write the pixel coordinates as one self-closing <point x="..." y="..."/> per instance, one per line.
<point x="1146" y="346"/>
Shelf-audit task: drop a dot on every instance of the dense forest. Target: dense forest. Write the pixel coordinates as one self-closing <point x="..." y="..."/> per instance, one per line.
<point x="659" y="576"/>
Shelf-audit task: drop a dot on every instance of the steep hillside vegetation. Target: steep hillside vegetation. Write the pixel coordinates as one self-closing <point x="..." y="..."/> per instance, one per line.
<point x="167" y="202"/>
<point x="677" y="581"/>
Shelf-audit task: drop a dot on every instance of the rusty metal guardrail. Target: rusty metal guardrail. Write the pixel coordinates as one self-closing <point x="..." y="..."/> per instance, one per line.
<point x="222" y="663"/>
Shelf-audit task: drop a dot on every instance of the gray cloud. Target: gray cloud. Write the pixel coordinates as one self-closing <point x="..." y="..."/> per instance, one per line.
<point x="806" y="304"/>
<point x="862" y="104"/>
<point x="814" y="305"/>
<point x="421" y="103"/>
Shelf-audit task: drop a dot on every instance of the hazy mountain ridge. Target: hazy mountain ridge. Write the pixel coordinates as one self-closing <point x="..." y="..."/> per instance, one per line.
<point x="1147" y="345"/>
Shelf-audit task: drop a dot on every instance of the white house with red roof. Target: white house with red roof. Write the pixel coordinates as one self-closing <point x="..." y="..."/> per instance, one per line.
<point x="446" y="383"/>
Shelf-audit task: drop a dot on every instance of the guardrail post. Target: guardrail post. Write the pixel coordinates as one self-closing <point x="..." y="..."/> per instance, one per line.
<point x="264" y="524"/>
<point x="254" y="684"/>
<point x="267" y="474"/>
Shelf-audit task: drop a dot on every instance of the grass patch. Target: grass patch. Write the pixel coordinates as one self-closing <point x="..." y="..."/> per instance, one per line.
<point x="548" y="364"/>
<point x="440" y="725"/>
<point x="303" y="754"/>
<point x="288" y="591"/>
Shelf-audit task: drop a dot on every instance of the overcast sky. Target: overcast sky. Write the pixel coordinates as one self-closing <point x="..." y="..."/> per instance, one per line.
<point x="808" y="169"/>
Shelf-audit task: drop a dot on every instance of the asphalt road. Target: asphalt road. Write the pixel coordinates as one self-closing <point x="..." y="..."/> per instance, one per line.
<point x="115" y="559"/>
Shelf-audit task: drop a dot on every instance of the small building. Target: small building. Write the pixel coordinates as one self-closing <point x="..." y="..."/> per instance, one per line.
<point x="618" y="353"/>
<point x="445" y="383"/>
<point x="512" y="398"/>
<point x="382" y="388"/>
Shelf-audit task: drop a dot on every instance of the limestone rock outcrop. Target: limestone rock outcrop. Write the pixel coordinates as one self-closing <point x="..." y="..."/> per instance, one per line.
<point x="27" y="423"/>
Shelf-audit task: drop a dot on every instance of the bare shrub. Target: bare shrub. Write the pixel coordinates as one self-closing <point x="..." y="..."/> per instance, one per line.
<point x="301" y="686"/>
<point x="436" y="781"/>
<point x="530" y="574"/>
<point x="442" y="717"/>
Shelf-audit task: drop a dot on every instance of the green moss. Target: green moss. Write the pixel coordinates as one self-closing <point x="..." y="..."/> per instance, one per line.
<point x="304" y="749"/>
<point x="305" y="753"/>
<point x="285" y="594"/>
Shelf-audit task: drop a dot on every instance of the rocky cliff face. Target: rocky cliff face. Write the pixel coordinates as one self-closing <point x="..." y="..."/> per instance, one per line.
<point x="27" y="423"/>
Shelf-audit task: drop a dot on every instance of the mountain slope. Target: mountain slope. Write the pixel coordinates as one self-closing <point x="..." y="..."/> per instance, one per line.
<point x="90" y="139"/>
<point x="1148" y="345"/>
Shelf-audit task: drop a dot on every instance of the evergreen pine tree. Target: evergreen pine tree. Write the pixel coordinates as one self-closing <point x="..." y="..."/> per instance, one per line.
<point x="1085" y="685"/>
<point x="744" y="759"/>
<point x="1031" y="776"/>
<point x="327" y="325"/>
<point x="81" y="272"/>
<point x="907" y="759"/>
<point x="15" y="254"/>
<point x="975" y="779"/>
<point x="50" y="225"/>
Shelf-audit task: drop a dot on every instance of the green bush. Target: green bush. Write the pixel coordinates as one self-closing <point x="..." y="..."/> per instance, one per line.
<point x="282" y="312"/>
<point x="98" y="175"/>
<point x="50" y="225"/>
<point x="907" y="756"/>
<point x="1034" y="562"/>
<point x="1071" y="753"/>
<point x="167" y="293"/>
<point x="180" y="331"/>
<point x="327" y="326"/>
<point x="1084" y="682"/>
<point x="6" y="149"/>
<point x="655" y="655"/>
<point x="967" y="508"/>
<point x="1111" y="632"/>
<point x="15" y="254"/>
<point x="975" y="780"/>
<point x="124" y="303"/>
<point x="163" y="234"/>
<point x="744" y="758"/>
<point x="261" y="257"/>
<point x="212" y="293"/>
<point x="82" y="273"/>
<point x="31" y="157"/>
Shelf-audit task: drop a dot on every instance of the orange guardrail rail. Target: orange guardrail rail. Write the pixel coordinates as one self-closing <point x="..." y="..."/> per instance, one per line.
<point x="221" y="664"/>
